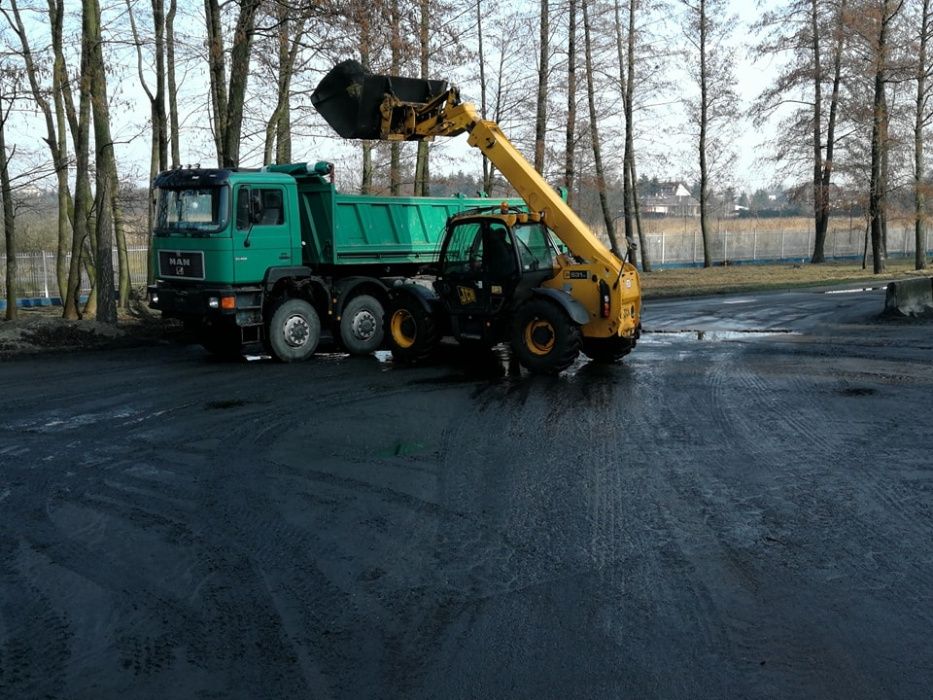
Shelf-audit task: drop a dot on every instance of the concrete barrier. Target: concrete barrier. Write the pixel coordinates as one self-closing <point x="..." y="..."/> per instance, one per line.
<point x="910" y="297"/>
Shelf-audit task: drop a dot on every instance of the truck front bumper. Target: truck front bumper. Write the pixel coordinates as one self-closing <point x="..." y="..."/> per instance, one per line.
<point x="221" y="302"/>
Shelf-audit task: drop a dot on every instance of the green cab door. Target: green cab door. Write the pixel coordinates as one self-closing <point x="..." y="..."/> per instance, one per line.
<point x="262" y="231"/>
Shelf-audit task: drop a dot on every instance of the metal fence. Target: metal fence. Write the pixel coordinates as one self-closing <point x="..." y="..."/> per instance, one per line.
<point x="752" y="245"/>
<point x="35" y="274"/>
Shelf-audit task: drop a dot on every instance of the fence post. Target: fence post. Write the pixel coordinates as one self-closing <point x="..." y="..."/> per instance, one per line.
<point x="755" y="244"/>
<point x="694" y="247"/>
<point x="834" y="232"/>
<point x="45" y="275"/>
<point x="662" y="247"/>
<point x="782" y="244"/>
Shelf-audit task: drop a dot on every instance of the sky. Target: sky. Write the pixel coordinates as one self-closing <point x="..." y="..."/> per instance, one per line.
<point x="130" y="117"/>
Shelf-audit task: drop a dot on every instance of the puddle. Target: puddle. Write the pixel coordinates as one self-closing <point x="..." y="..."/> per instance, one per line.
<point x="713" y="336"/>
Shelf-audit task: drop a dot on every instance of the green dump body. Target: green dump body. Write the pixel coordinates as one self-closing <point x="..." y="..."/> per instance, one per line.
<point x="346" y="229"/>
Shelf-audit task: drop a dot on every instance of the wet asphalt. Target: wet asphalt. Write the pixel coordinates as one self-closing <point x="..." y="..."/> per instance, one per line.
<point x="742" y="508"/>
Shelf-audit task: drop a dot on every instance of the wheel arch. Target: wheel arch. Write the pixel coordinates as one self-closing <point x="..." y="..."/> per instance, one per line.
<point x="571" y="306"/>
<point x="424" y="296"/>
<point x="348" y="288"/>
<point x="296" y="283"/>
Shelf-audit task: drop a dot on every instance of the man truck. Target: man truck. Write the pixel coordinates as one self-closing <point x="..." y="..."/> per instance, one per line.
<point x="279" y="256"/>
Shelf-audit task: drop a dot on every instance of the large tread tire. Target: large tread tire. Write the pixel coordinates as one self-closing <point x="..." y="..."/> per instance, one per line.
<point x="607" y="350"/>
<point x="362" y="325"/>
<point x="294" y="331"/>
<point x="412" y="332"/>
<point x="220" y="339"/>
<point x="544" y="338"/>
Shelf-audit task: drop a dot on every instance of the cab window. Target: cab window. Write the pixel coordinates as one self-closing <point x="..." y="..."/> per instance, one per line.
<point x="535" y="248"/>
<point x="268" y="205"/>
<point x="464" y="248"/>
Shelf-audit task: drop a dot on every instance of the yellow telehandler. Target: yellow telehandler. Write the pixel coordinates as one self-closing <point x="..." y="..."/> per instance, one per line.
<point x="501" y="275"/>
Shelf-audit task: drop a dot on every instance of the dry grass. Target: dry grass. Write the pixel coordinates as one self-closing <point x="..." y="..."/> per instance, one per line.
<point x="737" y="278"/>
<point x="688" y="225"/>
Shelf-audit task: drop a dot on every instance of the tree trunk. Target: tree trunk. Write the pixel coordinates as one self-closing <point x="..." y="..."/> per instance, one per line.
<point x="570" y="134"/>
<point x="9" y="219"/>
<point x="541" y="113"/>
<point x="55" y="127"/>
<point x="876" y="201"/>
<point x="80" y="123"/>
<point x="172" y="86"/>
<point x="626" y="113"/>
<point x="819" y="208"/>
<point x="920" y="257"/>
<point x="395" y="151"/>
<point x="487" y="175"/>
<point x="822" y="222"/>
<point x="218" y="75"/>
<point x="642" y="242"/>
<point x="105" y="165"/>
<point x="704" y="123"/>
<point x="65" y="204"/>
<point x="119" y="231"/>
<point x="422" y="171"/>
<point x="594" y="133"/>
<point x="239" y="74"/>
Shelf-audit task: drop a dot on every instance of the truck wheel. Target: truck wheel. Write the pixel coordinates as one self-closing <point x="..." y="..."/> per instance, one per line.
<point x="413" y="333"/>
<point x="362" y="325"/>
<point x="294" y="331"/>
<point x="544" y="338"/>
<point x="607" y="350"/>
<point x="220" y="339"/>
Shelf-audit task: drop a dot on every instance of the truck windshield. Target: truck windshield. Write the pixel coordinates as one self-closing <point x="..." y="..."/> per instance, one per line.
<point x="192" y="210"/>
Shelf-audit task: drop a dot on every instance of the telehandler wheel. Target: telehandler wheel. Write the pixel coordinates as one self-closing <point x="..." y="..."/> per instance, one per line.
<point x="413" y="335"/>
<point x="362" y="325"/>
<point x="294" y="331"/>
<point x="607" y="350"/>
<point x="544" y="337"/>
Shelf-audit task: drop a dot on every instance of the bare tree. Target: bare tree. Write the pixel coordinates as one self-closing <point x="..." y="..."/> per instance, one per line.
<point x="705" y="29"/>
<point x="54" y="124"/>
<point x="80" y="122"/>
<point x="570" y="143"/>
<point x="881" y="16"/>
<point x="175" y="139"/>
<point x="227" y="102"/>
<point x="922" y="116"/>
<point x="8" y="79"/>
<point x="422" y="168"/>
<point x="541" y="112"/>
<point x="105" y="164"/>
<point x="803" y="29"/>
<point x="594" y="131"/>
<point x="290" y="32"/>
<point x="627" y="89"/>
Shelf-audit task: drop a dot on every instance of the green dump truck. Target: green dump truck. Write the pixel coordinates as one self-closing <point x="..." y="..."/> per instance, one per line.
<point x="278" y="256"/>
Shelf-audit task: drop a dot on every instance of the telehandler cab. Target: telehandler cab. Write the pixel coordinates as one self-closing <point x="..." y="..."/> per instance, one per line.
<point x="501" y="275"/>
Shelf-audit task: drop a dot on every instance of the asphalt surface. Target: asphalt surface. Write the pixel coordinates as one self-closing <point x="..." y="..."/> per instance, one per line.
<point x="743" y="508"/>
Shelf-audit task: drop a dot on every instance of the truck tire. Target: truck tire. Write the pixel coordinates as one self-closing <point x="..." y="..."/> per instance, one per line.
<point x="220" y="339"/>
<point x="607" y="350"/>
<point x="413" y="335"/>
<point x="362" y="325"/>
<point x="294" y="331"/>
<point x="544" y="338"/>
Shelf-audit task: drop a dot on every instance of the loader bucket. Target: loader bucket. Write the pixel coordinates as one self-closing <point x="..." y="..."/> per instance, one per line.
<point x="349" y="97"/>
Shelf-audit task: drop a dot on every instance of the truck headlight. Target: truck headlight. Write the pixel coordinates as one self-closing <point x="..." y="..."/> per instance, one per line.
<point x="153" y="297"/>
<point x="213" y="302"/>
